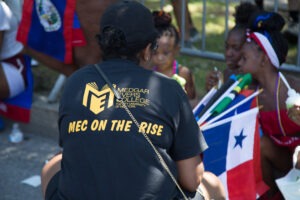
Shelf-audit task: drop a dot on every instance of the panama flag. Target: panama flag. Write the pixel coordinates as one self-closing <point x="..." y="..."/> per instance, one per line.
<point x="233" y="154"/>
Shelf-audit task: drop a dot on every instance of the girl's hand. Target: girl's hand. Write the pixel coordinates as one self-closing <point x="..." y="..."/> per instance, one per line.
<point x="294" y="114"/>
<point x="212" y="79"/>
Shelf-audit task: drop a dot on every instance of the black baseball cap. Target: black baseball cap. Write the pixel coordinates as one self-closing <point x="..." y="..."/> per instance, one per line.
<point x="133" y="19"/>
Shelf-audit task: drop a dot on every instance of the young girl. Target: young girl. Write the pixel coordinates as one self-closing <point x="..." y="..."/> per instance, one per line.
<point x="262" y="55"/>
<point x="233" y="45"/>
<point x="168" y="47"/>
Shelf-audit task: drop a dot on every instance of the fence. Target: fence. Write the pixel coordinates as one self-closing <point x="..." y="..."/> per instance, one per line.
<point x="202" y="51"/>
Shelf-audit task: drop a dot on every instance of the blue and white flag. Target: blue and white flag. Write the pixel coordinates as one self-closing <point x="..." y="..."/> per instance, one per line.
<point x="233" y="142"/>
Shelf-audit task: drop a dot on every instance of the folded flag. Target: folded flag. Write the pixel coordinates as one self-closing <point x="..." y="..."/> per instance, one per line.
<point x="242" y="102"/>
<point x="204" y="101"/>
<point x="244" y="81"/>
<point x="18" y="108"/>
<point x="208" y="113"/>
<point x="212" y="99"/>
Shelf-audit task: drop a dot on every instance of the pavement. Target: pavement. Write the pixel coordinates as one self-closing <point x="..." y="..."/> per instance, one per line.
<point x="21" y="163"/>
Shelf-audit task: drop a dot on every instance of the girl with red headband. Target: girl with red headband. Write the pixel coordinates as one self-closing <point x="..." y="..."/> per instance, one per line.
<point x="262" y="55"/>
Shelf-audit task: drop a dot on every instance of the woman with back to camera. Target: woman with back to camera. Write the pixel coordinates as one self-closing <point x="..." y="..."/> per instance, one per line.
<point x="105" y="155"/>
<point x="262" y="55"/>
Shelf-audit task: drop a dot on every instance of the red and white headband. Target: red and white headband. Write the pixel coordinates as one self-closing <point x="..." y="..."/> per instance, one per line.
<point x="266" y="46"/>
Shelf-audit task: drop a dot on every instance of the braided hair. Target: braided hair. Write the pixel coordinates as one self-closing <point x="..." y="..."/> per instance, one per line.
<point x="164" y="26"/>
<point x="113" y="44"/>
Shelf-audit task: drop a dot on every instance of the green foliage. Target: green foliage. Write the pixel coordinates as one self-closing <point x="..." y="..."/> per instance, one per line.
<point x="215" y="36"/>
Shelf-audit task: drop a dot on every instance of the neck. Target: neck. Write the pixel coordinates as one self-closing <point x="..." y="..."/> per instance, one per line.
<point x="267" y="79"/>
<point x="167" y="70"/>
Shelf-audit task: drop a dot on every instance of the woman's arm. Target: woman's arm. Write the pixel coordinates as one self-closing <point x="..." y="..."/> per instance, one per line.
<point x="190" y="87"/>
<point x="190" y="173"/>
<point x="52" y="63"/>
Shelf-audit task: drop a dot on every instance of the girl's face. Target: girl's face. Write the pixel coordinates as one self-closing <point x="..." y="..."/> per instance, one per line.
<point x="165" y="54"/>
<point x="233" y="46"/>
<point x="251" y="58"/>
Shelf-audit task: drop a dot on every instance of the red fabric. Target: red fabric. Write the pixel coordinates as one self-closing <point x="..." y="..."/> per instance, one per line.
<point x="270" y="126"/>
<point x="68" y="29"/>
<point x="57" y="44"/>
<point x="14" y="112"/>
<point x="261" y="186"/>
<point x="25" y="23"/>
<point x="78" y="37"/>
<point x="245" y="183"/>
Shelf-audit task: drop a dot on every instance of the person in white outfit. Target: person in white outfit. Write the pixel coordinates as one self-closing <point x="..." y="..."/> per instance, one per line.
<point x="12" y="67"/>
<point x="12" y="63"/>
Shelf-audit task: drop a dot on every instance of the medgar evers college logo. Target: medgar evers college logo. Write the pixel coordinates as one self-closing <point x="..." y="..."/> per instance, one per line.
<point x="97" y="101"/>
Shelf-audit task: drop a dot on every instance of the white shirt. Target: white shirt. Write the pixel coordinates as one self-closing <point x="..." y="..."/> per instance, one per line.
<point x="8" y="24"/>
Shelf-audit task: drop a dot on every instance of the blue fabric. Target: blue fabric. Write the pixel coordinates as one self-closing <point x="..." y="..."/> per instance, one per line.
<point x="2" y="126"/>
<point x="218" y="139"/>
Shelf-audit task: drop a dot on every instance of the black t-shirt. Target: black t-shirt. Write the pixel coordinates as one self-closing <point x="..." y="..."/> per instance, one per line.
<point x="105" y="156"/>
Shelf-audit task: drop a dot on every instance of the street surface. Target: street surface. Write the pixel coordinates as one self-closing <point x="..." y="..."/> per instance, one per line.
<point x="22" y="161"/>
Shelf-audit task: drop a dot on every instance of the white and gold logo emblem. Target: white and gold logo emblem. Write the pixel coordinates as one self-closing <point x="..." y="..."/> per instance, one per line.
<point x="96" y="100"/>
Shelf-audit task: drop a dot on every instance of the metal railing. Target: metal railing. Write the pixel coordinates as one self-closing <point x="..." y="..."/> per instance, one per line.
<point x="202" y="52"/>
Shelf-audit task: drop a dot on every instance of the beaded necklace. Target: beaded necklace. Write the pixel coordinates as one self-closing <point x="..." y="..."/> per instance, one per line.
<point x="175" y="67"/>
<point x="277" y="105"/>
<point x="276" y="94"/>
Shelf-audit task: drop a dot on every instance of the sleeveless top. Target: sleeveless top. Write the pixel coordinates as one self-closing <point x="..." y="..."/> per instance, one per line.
<point x="278" y="126"/>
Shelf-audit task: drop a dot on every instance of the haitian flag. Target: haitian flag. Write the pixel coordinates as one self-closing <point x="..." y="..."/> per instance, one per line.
<point x="51" y="27"/>
<point x="233" y="154"/>
<point x="18" y="107"/>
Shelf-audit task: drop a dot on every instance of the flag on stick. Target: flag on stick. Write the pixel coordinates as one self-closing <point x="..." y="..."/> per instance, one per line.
<point x="245" y="80"/>
<point x="208" y="112"/>
<point x="232" y="154"/>
<point x="204" y="101"/>
<point x="245" y="97"/>
<point x="232" y="80"/>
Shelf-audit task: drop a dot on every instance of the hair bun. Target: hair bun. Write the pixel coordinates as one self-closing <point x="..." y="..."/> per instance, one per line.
<point x="266" y="21"/>
<point x="161" y="18"/>
<point x="243" y="13"/>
